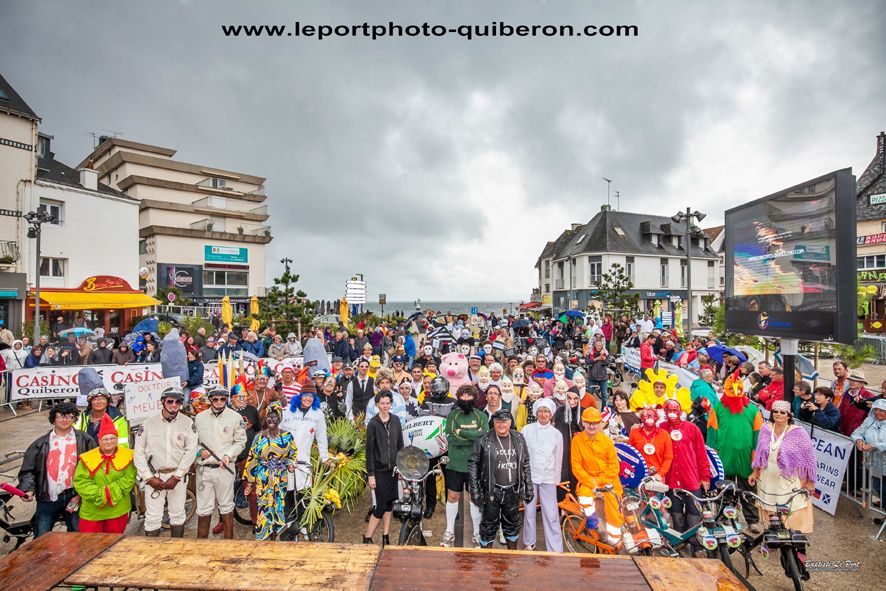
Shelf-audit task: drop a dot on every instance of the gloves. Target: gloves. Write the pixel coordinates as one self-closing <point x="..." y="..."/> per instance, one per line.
<point x="172" y="482"/>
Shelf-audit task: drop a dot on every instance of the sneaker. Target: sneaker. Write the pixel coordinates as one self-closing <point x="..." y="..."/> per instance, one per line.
<point x="448" y="538"/>
<point x="475" y="542"/>
<point x="592" y="522"/>
<point x="501" y="538"/>
<point x="529" y="547"/>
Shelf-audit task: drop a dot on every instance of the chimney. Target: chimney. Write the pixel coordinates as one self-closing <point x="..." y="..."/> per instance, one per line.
<point x="574" y="227"/>
<point x="881" y="146"/>
<point x="89" y="177"/>
<point x="605" y="208"/>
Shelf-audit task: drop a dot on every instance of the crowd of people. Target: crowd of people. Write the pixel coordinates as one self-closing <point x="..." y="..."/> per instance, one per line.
<point x="531" y="410"/>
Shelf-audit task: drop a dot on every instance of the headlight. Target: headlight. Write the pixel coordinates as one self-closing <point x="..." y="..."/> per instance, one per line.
<point x="730" y="512"/>
<point x="710" y="543"/>
<point x="733" y="541"/>
<point x="655" y="503"/>
<point x="666" y="502"/>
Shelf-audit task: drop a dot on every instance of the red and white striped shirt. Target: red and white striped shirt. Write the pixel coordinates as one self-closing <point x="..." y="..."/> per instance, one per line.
<point x="290" y="391"/>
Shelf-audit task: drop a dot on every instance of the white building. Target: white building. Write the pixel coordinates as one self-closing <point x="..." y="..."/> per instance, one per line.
<point x="201" y="229"/>
<point x="651" y="248"/>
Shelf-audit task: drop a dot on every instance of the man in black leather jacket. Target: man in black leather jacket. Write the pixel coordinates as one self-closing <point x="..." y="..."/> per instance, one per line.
<point x="499" y="476"/>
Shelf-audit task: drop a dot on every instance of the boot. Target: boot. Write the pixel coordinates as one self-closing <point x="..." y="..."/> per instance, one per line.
<point x="367" y="540"/>
<point x="178" y="531"/>
<point x="153" y="533"/>
<point x="203" y="522"/>
<point x="511" y="545"/>
<point x="227" y="520"/>
<point x="385" y="540"/>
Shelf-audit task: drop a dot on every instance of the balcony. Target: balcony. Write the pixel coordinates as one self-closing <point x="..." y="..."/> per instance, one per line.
<point x="260" y="210"/>
<point x="9" y="252"/>
<point x="261" y="231"/>
<point x="260" y="192"/>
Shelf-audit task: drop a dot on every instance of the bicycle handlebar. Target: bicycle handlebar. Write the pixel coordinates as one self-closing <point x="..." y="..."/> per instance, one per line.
<point x="684" y="492"/>
<point x="801" y="491"/>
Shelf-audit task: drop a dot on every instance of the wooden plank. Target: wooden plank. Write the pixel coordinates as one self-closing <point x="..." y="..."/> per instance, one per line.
<point x="54" y="556"/>
<point x="432" y="569"/>
<point x="230" y="565"/>
<point x="665" y="574"/>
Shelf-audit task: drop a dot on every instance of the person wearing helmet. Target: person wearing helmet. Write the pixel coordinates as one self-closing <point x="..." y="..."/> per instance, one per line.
<point x="223" y="431"/>
<point x="594" y="465"/>
<point x="165" y="448"/>
<point x="98" y="404"/>
<point x="437" y="403"/>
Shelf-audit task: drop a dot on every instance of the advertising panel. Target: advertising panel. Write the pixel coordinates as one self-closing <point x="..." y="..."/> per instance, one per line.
<point x="790" y="262"/>
<point x="225" y="254"/>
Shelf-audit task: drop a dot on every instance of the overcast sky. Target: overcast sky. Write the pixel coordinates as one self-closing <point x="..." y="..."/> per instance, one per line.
<point x="440" y="167"/>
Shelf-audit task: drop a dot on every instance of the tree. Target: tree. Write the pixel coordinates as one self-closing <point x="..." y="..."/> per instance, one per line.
<point x="612" y="289"/>
<point x="709" y="304"/>
<point x="283" y="306"/>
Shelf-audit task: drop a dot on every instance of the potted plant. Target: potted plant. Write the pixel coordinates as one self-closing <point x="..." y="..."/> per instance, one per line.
<point x="240" y="230"/>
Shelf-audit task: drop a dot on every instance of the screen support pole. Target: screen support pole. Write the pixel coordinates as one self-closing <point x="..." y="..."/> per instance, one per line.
<point x="788" y="357"/>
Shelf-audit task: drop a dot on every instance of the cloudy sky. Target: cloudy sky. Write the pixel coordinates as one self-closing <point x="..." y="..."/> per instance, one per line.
<point x="439" y="167"/>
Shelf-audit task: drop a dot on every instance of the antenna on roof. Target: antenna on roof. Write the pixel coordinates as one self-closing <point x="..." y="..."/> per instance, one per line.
<point x="617" y="201"/>
<point x="97" y="139"/>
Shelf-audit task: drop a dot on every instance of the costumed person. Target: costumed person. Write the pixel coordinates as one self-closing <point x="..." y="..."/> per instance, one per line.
<point x="500" y="477"/>
<point x="566" y="420"/>
<point x="306" y="422"/>
<point x="622" y="415"/>
<point x="48" y="466"/>
<point x="653" y="443"/>
<point x="784" y="462"/>
<point x="165" y="448"/>
<point x="221" y="433"/>
<point x="437" y="403"/>
<point x="594" y="465"/>
<point x="270" y="461"/>
<point x="546" y="459"/>
<point x="98" y="404"/>
<point x="518" y="377"/>
<point x="525" y="416"/>
<point x="252" y="424"/>
<point x="288" y="386"/>
<point x="690" y="468"/>
<point x="703" y="387"/>
<point x="559" y="372"/>
<point x="360" y="390"/>
<point x="597" y="374"/>
<point x="509" y="399"/>
<point x="384" y="438"/>
<point x="585" y="398"/>
<point x="104" y="479"/>
<point x="463" y="426"/>
<point x="733" y="428"/>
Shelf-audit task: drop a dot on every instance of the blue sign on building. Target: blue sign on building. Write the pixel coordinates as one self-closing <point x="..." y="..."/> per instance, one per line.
<point x="475" y="310"/>
<point x="225" y="254"/>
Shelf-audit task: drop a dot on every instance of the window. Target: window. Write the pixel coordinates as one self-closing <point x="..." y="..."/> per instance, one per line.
<point x="547" y="288"/>
<point x="42" y="146"/>
<point x="595" y="270"/>
<point x="547" y="269"/>
<point x="52" y="267"/>
<point x="664" y="272"/>
<point x="221" y="283"/>
<point x="683" y="274"/>
<point x="872" y="262"/>
<point x="55" y="208"/>
<point x="618" y="230"/>
<point x="580" y="238"/>
<point x="3" y="95"/>
<point x="218" y="183"/>
<point x="711" y="274"/>
<point x="883" y="227"/>
<point x="143" y="246"/>
<point x="572" y="273"/>
<point x="629" y="268"/>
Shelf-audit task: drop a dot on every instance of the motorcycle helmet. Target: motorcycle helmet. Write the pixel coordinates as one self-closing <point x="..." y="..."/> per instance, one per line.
<point x="439" y="388"/>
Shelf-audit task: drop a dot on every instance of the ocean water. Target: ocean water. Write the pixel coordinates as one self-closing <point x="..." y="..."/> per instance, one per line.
<point x="444" y="307"/>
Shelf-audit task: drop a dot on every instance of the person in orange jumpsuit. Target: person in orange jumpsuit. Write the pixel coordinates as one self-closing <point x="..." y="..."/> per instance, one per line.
<point x="653" y="443"/>
<point x="594" y="465"/>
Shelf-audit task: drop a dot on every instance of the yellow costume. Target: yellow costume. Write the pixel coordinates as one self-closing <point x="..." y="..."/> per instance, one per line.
<point x="644" y="396"/>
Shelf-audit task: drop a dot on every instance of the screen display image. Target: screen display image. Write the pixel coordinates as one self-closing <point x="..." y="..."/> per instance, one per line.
<point x="784" y="256"/>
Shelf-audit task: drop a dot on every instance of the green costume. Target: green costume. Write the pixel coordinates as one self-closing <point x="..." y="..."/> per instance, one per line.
<point x="733" y="435"/>
<point x="462" y="429"/>
<point x="701" y="388"/>
<point x="104" y="484"/>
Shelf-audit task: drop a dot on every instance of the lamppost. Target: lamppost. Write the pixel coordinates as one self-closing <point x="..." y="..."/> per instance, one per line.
<point x="608" y="184"/>
<point x="36" y="219"/>
<point x="687" y="217"/>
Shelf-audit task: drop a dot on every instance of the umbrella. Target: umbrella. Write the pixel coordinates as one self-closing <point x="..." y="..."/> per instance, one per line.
<point x="77" y="331"/>
<point x="227" y="313"/>
<point x="716" y="353"/>
<point x="244" y="355"/>
<point x="414" y="316"/>
<point x="253" y="311"/>
<point x="520" y="323"/>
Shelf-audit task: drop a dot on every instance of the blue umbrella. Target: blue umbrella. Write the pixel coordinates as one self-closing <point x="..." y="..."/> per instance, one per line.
<point x="520" y="323"/>
<point x="574" y="313"/>
<point x="77" y="331"/>
<point x="716" y="353"/>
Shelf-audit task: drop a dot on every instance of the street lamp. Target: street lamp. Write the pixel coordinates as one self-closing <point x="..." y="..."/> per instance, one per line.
<point x="36" y="219"/>
<point x="608" y="184"/>
<point x="687" y="216"/>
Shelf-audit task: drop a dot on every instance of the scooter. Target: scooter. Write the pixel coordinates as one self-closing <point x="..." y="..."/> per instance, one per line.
<point x="19" y="530"/>
<point x="413" y="468"/>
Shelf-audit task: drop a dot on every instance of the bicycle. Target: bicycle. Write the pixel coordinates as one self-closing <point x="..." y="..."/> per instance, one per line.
<point x="413" y="468"/>
<point x="241" y="502"/>
<point x="323" y="529"/>
<point x="576" y="536"/>
<point x="790" y="542"/>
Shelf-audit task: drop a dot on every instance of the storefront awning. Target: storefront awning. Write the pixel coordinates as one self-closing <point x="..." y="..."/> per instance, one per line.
<point x="75" y="300"/>
<point x="530" y="305"/>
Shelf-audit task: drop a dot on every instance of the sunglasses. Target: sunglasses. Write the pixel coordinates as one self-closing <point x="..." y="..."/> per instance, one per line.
<point x="218" y="399"/>
<point x="780" y="412"/>
<point x="176" y="402"/>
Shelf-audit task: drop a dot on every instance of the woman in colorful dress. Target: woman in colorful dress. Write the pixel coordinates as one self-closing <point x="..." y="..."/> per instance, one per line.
<point x="271" y="456"/>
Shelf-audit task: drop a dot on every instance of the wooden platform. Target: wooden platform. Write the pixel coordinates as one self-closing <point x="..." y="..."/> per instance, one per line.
<point x="228" y="565"/>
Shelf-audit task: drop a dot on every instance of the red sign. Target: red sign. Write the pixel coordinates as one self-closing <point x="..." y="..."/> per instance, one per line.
<point x="105" y="283"/>
<point x="872" y="239"/>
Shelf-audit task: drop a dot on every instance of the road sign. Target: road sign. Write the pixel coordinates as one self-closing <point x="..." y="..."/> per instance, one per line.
<point x="382" y="299"/>
<point x="170" y="296"/>
<point x="475" y="310"/>
<point x="355" y="291"/>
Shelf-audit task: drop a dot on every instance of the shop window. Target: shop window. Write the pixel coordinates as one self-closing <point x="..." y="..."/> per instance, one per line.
<point x="50" y="267"/>
<point x="222" y="283"/>
<point x="877" y="261"/>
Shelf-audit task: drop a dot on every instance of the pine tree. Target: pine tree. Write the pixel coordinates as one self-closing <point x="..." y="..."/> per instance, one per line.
<point x="613" y="288"/>
<point x="283" y="306"/>
<point x="709" y="305"/>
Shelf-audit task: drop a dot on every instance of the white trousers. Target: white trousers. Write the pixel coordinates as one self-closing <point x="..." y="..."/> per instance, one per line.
<point x="550" y="514"/>
<point x="175" y="498"/>
<point x="214" y="485"/>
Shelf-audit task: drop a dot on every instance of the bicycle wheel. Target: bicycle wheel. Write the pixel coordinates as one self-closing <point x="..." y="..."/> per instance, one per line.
<point x="190" y="509"/>
<point x="323" y="530"/>
<point x="572" y="526"/>
<point x="793" y="571"/>
<point x="241" y="505"/>
<point x="411" y="534"/>
<point x="726" y="559"/>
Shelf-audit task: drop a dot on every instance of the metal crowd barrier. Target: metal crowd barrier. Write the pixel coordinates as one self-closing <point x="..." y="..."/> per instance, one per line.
<point x="875" y="341"/>
<point x="864" y="484"/>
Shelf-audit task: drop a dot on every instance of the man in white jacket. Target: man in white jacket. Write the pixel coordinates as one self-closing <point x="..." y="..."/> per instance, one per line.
<point x="545" y="445"/>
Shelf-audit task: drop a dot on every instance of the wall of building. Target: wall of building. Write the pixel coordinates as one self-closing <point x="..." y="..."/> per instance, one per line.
<point x="17" y="169"/>
<point x="98" y="236"/>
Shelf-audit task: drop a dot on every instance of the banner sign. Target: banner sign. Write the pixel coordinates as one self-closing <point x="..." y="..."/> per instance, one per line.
<point x="631" y="357"/>
<point x="225" y="254"/>
<point x="832" y="452"/>
<point x="143" y="398"/>
<point x="61" y="382"/>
